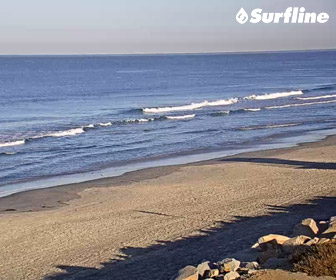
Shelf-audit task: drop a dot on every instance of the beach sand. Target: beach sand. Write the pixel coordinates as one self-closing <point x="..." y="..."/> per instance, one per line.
<point x="150" y="223"/>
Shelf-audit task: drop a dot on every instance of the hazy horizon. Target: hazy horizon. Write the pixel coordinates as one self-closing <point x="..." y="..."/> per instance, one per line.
<point x="173" y="53"/>
<point x="102" y="27"/>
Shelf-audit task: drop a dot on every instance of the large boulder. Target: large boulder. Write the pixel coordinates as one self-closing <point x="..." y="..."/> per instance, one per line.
<point x="290" y="244"/>
<point x="187" y="273"/>
<point x="323" y="240"/>
<point x="279" y="239"/>
<point x="270" y="245"/>
<point x="312" y="241"/>
<point x="250" y="265"/>
<point x="231" y="276"/>
<point x="203" y="267"/>
<point x="332" y="220"/>
<point x="211" y="273"/>
<point x="228" y="265"/>
<point x="307" y="227"/>
<point x="330" y="232"/>
<point x="322" y="226"/>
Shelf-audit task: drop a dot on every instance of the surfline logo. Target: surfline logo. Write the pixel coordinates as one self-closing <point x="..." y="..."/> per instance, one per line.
<point x="291" y="15"/>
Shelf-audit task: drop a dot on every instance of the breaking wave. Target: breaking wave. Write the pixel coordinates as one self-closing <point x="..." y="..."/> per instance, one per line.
<point x="253" y="109"/>
<point x="62" y="133"/>
<point x="140" y="120"/>
<point x="190" y="107"/>
<point x="105" y="124"/>
<point x="8" y="153"/>
<point x="12" y="144"/>
<point x="83" y="129"/>
<point x="245" y="110"/>
<point x="273" y="95"/>
<point x="317" y="97"/>
<point x="69" y="132"/>
<point x="236" y="111"/>
<point x="184" y="117"/>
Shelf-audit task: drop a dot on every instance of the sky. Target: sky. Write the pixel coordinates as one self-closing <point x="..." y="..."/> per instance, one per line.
<point x="156" y="26"/>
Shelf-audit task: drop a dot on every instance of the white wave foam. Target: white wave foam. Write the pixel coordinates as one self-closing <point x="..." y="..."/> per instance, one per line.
<point x="105" y="124"/>
<point x="253" y="109"/>
<point x="270" y="126"/>
<point x="181" y="117"/>
<point x="300" y="104"/>
<point x="273" y="95"/>
<point x="12" y="144"/>
<point x="8" y="153"/>
<point x="190" y="107"/>
<point x="140" y="120"/>
<point x="69" y="132"/>
<point x="317" y="97"/>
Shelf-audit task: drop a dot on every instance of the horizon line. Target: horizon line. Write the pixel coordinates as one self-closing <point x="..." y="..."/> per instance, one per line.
<point x="169" y="53"/>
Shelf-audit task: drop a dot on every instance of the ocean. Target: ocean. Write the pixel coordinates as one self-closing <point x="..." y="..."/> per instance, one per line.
<point x="66" y="119"/>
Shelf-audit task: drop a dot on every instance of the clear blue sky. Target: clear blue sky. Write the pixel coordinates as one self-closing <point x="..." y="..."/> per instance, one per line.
<point x="155" y="26"/>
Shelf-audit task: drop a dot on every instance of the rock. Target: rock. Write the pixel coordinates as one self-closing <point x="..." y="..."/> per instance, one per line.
<point x="249" y="255"/>
<point x="228" y="265"/>
<point x="252" y="271"/>
<point x="322" y="226"/>
<point x="275" y="263"/>
<point x="332" y="220"/>
<point x="307" y="227"/>
<point x="323" y="240"/>
<point x="280" y="239"/>
<point x="187" y="273"/>
<point x="211" y="273"/>
<point x="289" y="245"/>
<point x="201" y="268"/>
<point x="250" y="265"/>
<point x="214" y="272"/>
<point x="330" y="232"/>
<point x="312" y="241"/>
<point x="270" y="245"/>
<point x="248" y="268"/>
<point x="231" y="276"/>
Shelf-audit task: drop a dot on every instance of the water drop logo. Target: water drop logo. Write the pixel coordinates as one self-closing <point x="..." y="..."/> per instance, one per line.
<point x="242" y="16"/>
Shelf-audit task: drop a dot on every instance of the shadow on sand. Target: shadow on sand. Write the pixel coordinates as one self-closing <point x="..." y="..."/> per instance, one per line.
<point x="293" y="163"/>
<point x="161" y="261"/>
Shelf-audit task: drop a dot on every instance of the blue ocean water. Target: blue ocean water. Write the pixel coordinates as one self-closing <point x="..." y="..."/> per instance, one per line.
<point x="62" y="115"/>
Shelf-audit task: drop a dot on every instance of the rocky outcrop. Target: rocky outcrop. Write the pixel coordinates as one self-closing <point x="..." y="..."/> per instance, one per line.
<point x="271" y="251"/>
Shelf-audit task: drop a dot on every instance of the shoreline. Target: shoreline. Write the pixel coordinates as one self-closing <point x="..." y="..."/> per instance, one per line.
<point x="40" y="199"/>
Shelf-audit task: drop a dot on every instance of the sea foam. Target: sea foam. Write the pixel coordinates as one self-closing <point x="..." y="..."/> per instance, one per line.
<point x="13" y="143"/>
<point x="184" y="117"/>
<point x="69" y="132"/>
<point x="253" y="109"/>
<point x="273" y="95"/>
<point x="190" y="107"/>
<point x="105" y="124"/>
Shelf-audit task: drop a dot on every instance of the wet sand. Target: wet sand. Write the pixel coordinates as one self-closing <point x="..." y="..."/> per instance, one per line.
<point x="149" y="223"/>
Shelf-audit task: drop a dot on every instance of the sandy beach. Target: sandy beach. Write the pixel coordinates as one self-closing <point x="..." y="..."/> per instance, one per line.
<point x="148" y="224"/>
